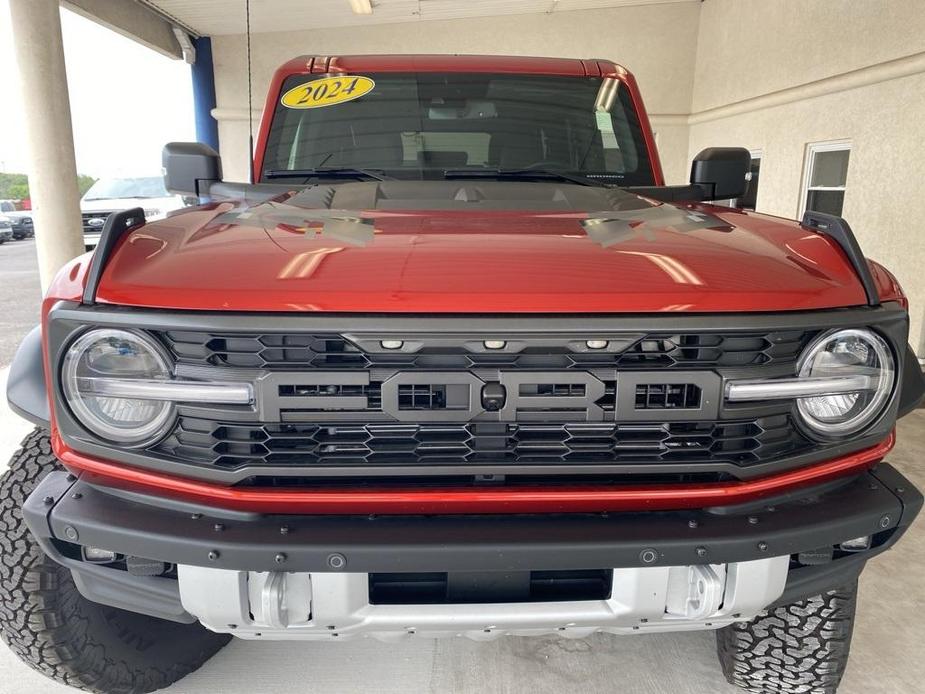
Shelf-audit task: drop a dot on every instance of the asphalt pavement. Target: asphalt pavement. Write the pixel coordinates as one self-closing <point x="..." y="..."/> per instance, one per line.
<point x="20" y="295"/>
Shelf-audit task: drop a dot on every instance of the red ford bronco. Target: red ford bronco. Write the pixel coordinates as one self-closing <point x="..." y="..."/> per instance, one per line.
<point x="457" y="362"/>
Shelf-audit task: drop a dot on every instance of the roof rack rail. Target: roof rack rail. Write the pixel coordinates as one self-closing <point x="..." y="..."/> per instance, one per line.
<point x="838" y="230"/>
<point x="114" y="229"/>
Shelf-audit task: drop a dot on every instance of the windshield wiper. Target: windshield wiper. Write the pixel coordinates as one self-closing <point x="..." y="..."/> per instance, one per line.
<point x="331" y="172"/>
<point x="525" y="175"/>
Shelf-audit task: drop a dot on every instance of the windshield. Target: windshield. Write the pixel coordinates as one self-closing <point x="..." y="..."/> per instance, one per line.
<point x="120" y="188"/>
<point x="423" y="125"/>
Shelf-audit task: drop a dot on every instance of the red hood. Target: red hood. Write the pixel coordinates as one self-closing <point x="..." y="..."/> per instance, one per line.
<point x="467" y="253"/>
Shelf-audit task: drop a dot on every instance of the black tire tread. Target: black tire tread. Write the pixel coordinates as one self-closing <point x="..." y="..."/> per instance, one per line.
<point x="800" y="648"/>
<point x="51" y="627"/>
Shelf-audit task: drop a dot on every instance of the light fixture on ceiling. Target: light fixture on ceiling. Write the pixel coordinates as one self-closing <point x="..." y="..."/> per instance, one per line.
<point x="361" y="6"/>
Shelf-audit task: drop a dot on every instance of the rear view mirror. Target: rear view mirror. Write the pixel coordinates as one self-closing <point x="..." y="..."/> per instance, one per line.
<point x="721" y="172"/>
<point x="190" y="167"/>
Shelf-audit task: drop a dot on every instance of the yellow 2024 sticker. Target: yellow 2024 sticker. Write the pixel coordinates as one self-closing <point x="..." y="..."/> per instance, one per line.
<point x="327" y="91"/>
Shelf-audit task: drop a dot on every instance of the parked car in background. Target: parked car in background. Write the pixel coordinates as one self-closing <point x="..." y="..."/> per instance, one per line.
<point x="20" y="220"/>
<point x="110" y="195"/>
<point x="6" y="229"/>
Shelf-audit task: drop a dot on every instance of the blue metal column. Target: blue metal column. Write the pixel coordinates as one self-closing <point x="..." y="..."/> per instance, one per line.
<point x="204" y="93"/>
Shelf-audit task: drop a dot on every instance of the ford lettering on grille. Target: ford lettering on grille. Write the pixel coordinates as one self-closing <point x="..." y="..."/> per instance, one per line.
<point x="505" y="396"/>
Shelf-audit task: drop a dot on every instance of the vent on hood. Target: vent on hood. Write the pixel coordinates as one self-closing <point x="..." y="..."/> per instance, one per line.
<point x="457" y="195"/>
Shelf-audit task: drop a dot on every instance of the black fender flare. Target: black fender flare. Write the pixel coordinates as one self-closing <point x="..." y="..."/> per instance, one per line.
<point x="912" y="385"/>
<point x="25" y="386"/>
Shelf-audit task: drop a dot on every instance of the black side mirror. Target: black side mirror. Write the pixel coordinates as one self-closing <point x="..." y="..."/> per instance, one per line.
<point x="722" y="172"/>
<point x="190" y="167"/>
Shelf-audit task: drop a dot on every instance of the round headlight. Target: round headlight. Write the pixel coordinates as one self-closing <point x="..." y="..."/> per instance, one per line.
<point x="98" y="357"/>
<point x="847" y="353"/>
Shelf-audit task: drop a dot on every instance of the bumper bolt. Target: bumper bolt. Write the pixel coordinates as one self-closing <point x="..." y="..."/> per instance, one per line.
<point x="900" y="490"/>
<point x="214" y="554"/>
<point x="337" y="561"/>
<point x="48" y="500"/>
<point x="648" y="556"/>
<point x="763" y="546"/>
<point x="692" y="524"/>
<point x="218" y="527"/>
<point x="753" y="520"/>
<point x="196" y="516"/>
<point x="70" y="532"/>
<point x="284" y="530"/>
<point x="885" y="522"/>
<point x="71" y="478"/>
<point x="280" y="558"/>
<point x="77" y="495"/>
<point x="701" y="551"/>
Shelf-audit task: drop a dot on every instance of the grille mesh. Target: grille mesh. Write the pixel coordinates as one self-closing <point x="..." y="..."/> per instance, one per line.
<point x="327" y="351"/>
<point x="233" y="445"/>
<point x="313" y="426"/>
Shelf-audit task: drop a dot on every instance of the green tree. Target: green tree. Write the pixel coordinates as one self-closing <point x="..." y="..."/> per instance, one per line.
<point x="18" y="191"/>
<point x="8" y="180"/>
<point x="15" y="186"/>
<point x="84" y="182"/>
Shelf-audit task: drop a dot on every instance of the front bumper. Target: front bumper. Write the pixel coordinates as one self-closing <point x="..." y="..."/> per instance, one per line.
<point x="227" y="560"/>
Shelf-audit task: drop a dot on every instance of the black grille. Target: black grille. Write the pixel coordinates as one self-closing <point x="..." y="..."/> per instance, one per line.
<point x="541" y="405"/>
<point x="90" y="228"/>
<point x="332" y="351"/>
<point x="235" y="445"/>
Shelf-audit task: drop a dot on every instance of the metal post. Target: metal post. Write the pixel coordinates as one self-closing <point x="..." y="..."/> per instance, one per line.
<point x="53" y="169"/>
<point x="204" y="93"/>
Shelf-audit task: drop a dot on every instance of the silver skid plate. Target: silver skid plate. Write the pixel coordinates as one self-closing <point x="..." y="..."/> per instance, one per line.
<point x="325" y="606"/>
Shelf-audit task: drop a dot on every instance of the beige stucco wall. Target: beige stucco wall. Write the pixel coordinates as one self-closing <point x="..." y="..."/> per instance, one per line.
<point x="758" y="56"/>
<point x="656" y="42"/>
<point x="751" y="47"/>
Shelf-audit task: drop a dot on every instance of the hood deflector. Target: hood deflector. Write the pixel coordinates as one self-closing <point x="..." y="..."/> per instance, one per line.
<point x="838" y="230"/>
<point x="117" y="224"/>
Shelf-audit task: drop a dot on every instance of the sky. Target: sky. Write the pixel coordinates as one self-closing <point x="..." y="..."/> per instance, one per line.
<point x="127" y="101"/>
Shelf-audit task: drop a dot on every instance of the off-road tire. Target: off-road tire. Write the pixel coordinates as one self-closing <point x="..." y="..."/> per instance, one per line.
<point x="55" y="630"/>
<point x="800" y="648"/>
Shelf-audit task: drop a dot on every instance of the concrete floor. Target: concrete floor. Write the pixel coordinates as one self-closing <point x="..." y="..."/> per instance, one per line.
<point x="20" y="295"/>
<point x="886" y="654"/>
